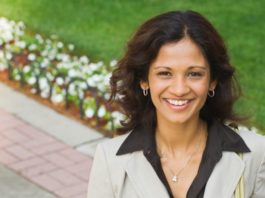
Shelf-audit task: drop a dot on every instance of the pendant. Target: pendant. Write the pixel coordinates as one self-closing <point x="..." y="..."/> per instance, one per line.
<point x="175" y="178"/>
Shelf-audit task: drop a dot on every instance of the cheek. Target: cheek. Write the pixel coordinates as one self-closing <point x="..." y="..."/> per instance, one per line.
<point x="156" y="85"/>
<point x="155" y="91"/>
<point x="201" y="89"/>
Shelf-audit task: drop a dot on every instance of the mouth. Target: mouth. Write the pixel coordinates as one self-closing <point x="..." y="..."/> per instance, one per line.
<point x="177" y="104"/>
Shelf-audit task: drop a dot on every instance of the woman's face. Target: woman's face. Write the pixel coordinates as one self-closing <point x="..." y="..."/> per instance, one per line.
<point x="178" y="81"/>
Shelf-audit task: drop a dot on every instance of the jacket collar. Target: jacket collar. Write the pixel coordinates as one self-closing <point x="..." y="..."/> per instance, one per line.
<point x="220" y="138"/>
<point x="222" y="145"/>
<point x="143" y="177"/>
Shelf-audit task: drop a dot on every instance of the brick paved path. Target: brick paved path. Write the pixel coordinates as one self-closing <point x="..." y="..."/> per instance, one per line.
<point x="42" y="159"/>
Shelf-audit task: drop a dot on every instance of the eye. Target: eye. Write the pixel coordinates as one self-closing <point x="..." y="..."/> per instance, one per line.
<point x="195" y="74"/>
<point x="164" y="73"/>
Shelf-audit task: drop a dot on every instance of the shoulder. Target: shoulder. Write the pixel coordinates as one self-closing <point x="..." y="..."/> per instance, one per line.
<point x="255" y="141"/>
<point x="112" y="145"/>
<point x="255" y="160"/>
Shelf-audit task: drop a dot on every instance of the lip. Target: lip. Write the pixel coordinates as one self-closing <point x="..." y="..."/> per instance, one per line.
<point x="177" y="107"/>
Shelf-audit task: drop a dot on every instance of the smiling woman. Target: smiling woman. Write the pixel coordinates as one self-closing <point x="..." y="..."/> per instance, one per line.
<point x="179" y="80"/>
<point x="176" y="85"/>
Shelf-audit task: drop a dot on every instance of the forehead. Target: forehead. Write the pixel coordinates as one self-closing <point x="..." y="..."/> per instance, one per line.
<point x="182" y="53"/>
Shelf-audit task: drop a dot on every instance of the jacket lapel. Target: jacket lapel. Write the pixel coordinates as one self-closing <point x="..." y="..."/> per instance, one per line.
<point x="144" y="178"/>
<point x="225" y="176"/>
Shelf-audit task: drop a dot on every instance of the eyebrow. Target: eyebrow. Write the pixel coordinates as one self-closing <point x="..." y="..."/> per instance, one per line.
<point x="190" y="67"/>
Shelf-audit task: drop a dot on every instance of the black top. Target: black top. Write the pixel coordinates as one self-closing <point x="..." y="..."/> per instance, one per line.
<point x="220" y="138"/>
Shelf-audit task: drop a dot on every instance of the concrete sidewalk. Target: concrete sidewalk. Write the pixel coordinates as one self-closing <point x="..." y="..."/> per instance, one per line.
<point x="43" y="154"/>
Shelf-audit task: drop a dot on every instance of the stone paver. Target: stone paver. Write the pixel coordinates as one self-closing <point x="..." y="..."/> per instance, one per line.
<point x="12" y="186"/>
<point x="42" y="117"/>
<point x="42" y="159"/>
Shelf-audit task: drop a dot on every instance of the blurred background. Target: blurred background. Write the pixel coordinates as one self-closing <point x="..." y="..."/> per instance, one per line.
<point x="100" y="29"/>
<point x="46" y="155"/>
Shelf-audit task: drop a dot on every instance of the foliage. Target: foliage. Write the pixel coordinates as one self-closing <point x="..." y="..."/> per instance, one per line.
<point x="48" y="66"/>
<point x="101" y="29"/>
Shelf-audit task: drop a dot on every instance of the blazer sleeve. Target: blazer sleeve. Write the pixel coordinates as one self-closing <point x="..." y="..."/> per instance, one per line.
<point x="99" y="185"/>
<point x="259" y="189"/>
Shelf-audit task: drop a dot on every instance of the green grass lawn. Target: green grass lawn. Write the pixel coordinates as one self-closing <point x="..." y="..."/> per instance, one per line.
<point x="101" y="28"/>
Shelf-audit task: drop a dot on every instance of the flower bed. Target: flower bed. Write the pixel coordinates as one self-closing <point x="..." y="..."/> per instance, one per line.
<point x="49" y="69"/>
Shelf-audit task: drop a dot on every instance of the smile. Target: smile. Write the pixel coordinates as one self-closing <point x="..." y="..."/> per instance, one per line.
<point x="177" y="102"/>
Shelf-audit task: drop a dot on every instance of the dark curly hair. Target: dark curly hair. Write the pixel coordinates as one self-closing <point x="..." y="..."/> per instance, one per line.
<point x="143" y="48"/>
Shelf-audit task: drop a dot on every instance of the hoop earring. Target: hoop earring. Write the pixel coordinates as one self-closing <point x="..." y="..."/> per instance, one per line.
<point x="145" y="92"/>
<point x="211" y="93"/>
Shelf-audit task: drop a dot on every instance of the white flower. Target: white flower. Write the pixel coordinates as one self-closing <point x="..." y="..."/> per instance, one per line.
<point x="101" y="87"/>
<point x="93" y="66"/>
<point x="21" y="25"/>
<point x="39" y="38"/>
<point x="64" y="65"/>
<point x="60" y="81"/>
<point x="18" y="31"/>
<point x="32" y="47"/>
<point x="101" y="111"/>
<point x="50" y="76"/>
<point x="71" y="90"/>
<point x="44" y="93"/>
<point x="45" y="62"/>
<point x="43" y="83"/>
<point x="84" y="59"/>
<point x="91" y="82"/>
<point x="17" y="77"/>
<point x="107" y="79"/>
<point x="8" y="56"/>
<point x="71" y="47"/>
<point x="48" y="42"/>
<point x="57" y="98"/>
<point x="113" y="63"/>
<point x="80" y="93"/>
<point x="52" y="54"/>
<point x="86" y="70"/>
<point x="117" y="117"/>
<point x="44" y="53"/>
<point x="107" y="96"/>
<point x="97" y="78"/>
<point x="65" y="57"/>
<point x="21" y="44"/>
<point x="8" y="46"/>
<point x="60" y="45"/>
<point x="89" y="113"/>
<point x="7" y="36"/>
<point x="100" y="63"/>
<point x="32" y="80"/>
<point x="83" y="85"/>
<point x="36" y="71"/>
<point x="26" y="68"/>
<point x="72" y="73"/>
<point x="31" y="57"/>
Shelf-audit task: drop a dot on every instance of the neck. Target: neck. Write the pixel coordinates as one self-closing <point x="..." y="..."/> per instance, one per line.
<point x="177" y="138"/>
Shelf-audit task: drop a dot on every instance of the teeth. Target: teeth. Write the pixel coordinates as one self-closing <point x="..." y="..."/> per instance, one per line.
<point x="177" y="102"/>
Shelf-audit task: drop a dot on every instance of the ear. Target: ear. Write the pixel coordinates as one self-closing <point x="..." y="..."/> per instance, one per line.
<point x="144" y="84"/>
<point x="213" y="85"/>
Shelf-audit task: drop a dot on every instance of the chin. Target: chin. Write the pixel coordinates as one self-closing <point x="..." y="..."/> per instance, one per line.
<point x="182" y="119"/>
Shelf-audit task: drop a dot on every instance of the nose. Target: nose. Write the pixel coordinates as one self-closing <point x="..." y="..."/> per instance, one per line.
<point x="179" y="86"/>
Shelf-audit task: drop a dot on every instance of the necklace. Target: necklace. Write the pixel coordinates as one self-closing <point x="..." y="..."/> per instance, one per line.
<point x="176" y="175"/>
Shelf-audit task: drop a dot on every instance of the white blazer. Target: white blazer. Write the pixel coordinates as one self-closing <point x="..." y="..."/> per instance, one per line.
<point x="132" y="176"/>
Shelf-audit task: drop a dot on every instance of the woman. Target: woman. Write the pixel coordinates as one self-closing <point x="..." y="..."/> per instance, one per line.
<point x="176" y="85"/>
